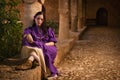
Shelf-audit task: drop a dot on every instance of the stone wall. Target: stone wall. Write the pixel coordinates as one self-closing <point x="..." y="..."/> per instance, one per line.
<point x="20" y="7"/>
<point x="52" y="10"/>
<point x="91" y="8"/>
<point x="111" y="6"/>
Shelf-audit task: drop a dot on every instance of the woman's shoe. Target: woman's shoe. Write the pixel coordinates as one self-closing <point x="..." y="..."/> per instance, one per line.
<point x="25" y="66"/>
<point x="34" y="64"/>
<point x="53" y="76"/>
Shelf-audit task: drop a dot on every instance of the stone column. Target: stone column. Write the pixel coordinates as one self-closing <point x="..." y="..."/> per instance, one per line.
<point x="63" y="19"/>
<point x="74" y="15"/>
<point x="80" y="14"/>
<point x="31" y="7"/>
<point x="84" y="13"/>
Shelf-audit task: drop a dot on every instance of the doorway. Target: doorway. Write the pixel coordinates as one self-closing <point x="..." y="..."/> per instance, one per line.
<point x="102" y="17"/>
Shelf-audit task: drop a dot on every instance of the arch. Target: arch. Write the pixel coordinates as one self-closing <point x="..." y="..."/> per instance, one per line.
<point x="102" y="16"/>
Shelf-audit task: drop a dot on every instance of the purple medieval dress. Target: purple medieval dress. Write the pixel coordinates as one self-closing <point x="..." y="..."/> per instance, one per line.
<point x="49" y="52"/>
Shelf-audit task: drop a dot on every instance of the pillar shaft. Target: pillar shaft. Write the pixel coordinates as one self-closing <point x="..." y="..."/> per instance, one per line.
<point x="74" y="15"/>
<point x="80" y="14"/>
<point x="30" y="9"/>
<point x="84" y="12"/>
<point x="63" y="19"/>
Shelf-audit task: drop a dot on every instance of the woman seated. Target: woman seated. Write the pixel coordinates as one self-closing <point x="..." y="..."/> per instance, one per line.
<point x="39" y="45"/>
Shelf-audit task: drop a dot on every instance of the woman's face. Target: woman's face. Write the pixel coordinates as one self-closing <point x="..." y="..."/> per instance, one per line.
<point x="39" y="20"/>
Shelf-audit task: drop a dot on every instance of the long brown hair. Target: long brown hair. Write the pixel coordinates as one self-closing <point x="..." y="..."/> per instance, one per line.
<point x="43" y="26"/>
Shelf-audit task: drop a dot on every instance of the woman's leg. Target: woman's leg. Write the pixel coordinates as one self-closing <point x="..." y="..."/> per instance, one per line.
<point x="26" y="65"/>
<point x="49" y="63"/>
<point x="31" y="58"/>
<point x="35" y="56"/>
<point x="29" y="63"/>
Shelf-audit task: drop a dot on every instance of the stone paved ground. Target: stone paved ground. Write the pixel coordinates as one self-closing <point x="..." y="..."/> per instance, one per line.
<point x="96" y="56"/>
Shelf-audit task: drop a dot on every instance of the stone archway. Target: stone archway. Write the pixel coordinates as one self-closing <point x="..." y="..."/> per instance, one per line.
<point x="102" y="16"/>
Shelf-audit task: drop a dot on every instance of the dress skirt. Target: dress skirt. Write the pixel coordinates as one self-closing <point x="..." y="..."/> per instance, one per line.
<point x="25" y="53"/>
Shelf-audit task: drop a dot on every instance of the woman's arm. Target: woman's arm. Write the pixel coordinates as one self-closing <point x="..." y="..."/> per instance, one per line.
<point x="27" y="35"/>
<point x="50" y="43"/>
<point x="29" y="38"/>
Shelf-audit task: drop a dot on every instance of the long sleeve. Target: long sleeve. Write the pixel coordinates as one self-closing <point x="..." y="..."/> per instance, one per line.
<point x="26" y="31"/>
<point x="51" y="35"/>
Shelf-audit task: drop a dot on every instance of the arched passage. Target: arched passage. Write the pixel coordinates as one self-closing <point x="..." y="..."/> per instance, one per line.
<point x="102" y="16"/>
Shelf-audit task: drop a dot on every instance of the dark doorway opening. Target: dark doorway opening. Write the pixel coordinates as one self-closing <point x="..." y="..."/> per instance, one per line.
<point x="102" y="17"/>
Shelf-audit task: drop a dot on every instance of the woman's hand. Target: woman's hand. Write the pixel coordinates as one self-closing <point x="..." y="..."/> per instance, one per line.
<point x="50" y="44"/>
<point x="29" y="38"/>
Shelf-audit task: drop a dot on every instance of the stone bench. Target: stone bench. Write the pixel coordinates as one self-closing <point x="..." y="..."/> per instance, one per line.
<point x="65" y="46"/>
<point x="90" y="22"/>
<point x="8" y="72"/>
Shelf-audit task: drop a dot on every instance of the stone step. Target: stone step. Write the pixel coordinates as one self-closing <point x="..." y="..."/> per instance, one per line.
<point x="8" y="72"/>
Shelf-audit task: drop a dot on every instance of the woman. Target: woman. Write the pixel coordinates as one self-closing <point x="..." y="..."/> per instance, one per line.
<point x="39" y="40"/>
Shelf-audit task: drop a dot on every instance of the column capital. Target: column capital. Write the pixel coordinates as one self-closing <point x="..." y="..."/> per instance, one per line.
<point x="41" y="1"/>
<point x="29" y="1"/>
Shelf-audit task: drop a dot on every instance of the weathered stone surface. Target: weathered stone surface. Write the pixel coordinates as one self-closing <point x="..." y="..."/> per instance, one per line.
<point x="95" y="57"/>
<point x="64" y="19"/>
<point x="8" y="72"/>
<point x="63" y="49"/>
<point x="65" y="46"/>
<point x="74" y="15"/>
<point x="30" y="9"/>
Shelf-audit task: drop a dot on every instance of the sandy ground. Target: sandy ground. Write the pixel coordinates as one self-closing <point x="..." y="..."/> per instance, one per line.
<point x="96" y="56"/>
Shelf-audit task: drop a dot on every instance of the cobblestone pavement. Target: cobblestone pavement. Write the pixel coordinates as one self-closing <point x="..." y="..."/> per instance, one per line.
<point x="96" y="56"/>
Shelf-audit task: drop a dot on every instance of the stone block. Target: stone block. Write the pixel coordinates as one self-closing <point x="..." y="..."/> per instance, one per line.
<point x="63" y="48"/>
<point x="8" y="72"/>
